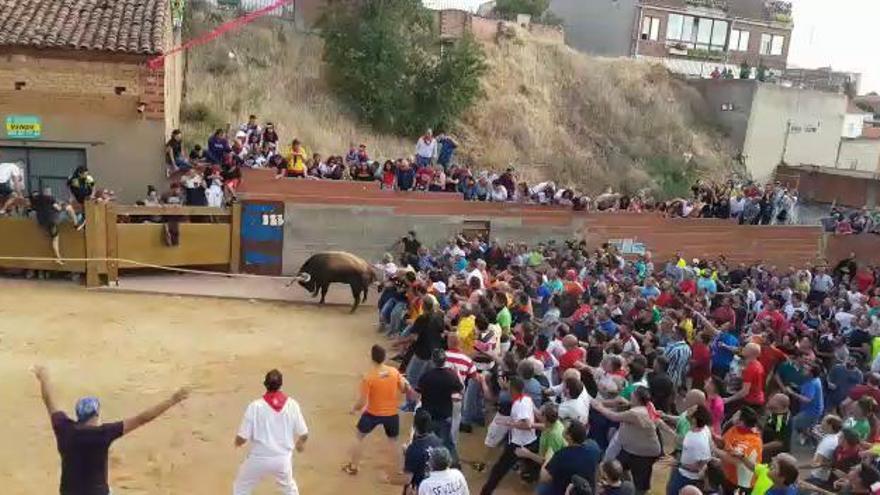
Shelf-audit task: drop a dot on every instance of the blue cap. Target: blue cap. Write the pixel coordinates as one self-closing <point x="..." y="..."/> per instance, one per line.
<point x="87" y="408"/>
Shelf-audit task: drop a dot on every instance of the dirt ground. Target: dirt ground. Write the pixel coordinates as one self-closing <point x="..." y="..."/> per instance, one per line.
<point x="134" y="350"/>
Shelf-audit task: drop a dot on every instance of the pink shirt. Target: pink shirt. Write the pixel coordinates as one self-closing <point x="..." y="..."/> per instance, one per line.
<point x="716" y="408"/>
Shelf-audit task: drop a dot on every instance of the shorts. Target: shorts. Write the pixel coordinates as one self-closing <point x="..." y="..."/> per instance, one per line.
<point x="50" y="224"/>
<point x="368" y="423"/>
<point x="5" y="189"/>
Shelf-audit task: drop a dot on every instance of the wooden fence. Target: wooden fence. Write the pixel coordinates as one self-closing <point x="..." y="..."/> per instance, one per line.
<point x="116" y="238"/>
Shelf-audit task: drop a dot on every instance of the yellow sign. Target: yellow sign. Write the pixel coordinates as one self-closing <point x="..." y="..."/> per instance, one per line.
<point x="23" y="127"/>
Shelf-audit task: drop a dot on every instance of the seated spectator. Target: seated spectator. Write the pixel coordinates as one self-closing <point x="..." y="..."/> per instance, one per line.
<point x="218" y="147"/>
<point x="174" y="157"/>
<point x="362" y="172"/>
<point x="406" y="176"/>
<point x="389" y="175"/>
<point x="197" y="155"/>
<point x="438" y="179"/>
<point x="174" y="196"/>
<point x="214" y="194"/>
<point x="336" y="169"/>
<point x="270" y="137"/>
<point x="193" y="182"/>
<point x="281" y="166"/>
<point x="424" y="176"/>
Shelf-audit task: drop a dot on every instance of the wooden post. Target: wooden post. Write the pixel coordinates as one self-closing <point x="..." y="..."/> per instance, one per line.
<point x="235" y="239"/>
<point x="96" y="242"/>
<point x="112" y="246"/>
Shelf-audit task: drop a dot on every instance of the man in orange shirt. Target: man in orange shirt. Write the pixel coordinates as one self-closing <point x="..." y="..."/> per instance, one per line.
<point x="741" y="441"/>
<point x="378" y="401"/>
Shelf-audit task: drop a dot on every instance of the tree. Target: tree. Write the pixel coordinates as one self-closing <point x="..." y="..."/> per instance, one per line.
<point x="510" y="8"/>
<point x="385" y="59"/>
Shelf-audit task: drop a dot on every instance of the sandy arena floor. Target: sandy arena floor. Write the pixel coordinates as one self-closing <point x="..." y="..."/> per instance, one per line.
<point x="134" y="350"/>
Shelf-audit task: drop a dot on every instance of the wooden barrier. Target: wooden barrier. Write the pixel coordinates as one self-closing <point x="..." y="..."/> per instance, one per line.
<point x="109" y="235"/>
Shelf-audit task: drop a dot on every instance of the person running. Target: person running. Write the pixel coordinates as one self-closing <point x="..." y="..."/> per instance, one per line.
<point x="84" y="444"/>
<point x="379" y="396"/>
<point x="274" y="425"/>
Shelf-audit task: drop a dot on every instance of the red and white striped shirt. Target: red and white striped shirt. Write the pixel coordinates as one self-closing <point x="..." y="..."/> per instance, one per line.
<point x="461" y="363"/>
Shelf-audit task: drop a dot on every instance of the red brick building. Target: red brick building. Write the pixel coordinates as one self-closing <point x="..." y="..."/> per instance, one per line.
<point x="75" y="72"/>
<point x="695" y="36"/>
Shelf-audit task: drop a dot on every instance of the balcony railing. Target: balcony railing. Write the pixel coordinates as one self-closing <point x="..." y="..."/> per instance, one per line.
<point x="708" y="4"/>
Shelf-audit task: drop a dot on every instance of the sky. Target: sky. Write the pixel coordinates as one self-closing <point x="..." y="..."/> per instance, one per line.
<point x="839" y="33"/>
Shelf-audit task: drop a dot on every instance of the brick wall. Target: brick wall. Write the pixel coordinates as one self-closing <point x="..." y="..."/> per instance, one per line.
<point x="84" y="74"/>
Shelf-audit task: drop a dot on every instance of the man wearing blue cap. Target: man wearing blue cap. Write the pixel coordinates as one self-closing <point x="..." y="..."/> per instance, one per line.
<point x="84" y="443"/>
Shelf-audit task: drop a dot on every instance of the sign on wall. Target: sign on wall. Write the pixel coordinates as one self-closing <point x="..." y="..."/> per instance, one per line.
<point x="23" y="127"/>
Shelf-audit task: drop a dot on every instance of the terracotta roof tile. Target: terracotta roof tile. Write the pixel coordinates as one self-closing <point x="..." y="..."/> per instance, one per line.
<point x="124" y="26"/>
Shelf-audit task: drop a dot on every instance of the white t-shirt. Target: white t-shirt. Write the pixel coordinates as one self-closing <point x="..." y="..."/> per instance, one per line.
<point x="426" y="149"/>
<point x="214" y="195"/>
<point x="826" y="449"/>
<point x="522" y="409"/>
<point x="576" y="409"/>
<point x="631" y="346"/>
<point x="272" y="433"/>
<point x="476" y="273"/>
<point x="8" y="171"/>
<point x="696" y="447"/>
<point x="448" y="482"/>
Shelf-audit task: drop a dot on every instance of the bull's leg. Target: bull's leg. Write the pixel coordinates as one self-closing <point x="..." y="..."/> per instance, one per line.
<point x="324" y="288"/>
<point x="356" y="294"/>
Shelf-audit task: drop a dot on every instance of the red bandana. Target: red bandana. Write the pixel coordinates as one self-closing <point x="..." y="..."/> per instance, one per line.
<point x="276" y="400"/>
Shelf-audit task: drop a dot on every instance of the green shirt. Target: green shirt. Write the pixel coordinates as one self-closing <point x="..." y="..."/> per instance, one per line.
<point x="552" y="440"/>
<point x="535" y="258"/>
<point x="762" y="479"/>
<point x="504" y="320"/>
<point x="860" y="426"/>
<point x="682" y="427"/>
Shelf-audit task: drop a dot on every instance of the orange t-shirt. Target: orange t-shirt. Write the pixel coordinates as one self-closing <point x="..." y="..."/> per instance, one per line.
<point x="381" y="388"/>
<point x="747" y="442"/>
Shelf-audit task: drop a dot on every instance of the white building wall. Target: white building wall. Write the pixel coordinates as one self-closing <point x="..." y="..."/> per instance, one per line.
<point x="860" y="154"/>
<point x="853" y="123"/>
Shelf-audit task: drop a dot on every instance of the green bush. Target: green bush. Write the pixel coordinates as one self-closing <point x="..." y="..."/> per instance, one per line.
<point x="385" y="59"/>
<point x="673" y="176"/>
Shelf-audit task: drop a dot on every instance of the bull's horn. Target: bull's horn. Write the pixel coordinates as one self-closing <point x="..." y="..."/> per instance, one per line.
<point x="303" y="277"/>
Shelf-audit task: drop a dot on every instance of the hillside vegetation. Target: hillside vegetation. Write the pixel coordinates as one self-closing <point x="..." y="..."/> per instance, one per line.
<point x="550" y="111"/>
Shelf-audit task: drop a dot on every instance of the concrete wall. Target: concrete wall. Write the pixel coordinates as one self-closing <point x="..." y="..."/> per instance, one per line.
<point x="74" y="93"/>
<point x="799" y="127"/>
<point x="601" y="27"/>
<point x="860" y="154"/>
<point x="730" y="102"/>
<point x="371" y="231"/>
<point x="831" y="186"/>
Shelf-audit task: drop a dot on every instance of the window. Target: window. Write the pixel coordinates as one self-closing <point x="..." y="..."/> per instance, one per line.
<point x="697" y="32"/>
<point x="650" y="28"/>
<point x="772" y="44"/>
<point x="739" y="41"/>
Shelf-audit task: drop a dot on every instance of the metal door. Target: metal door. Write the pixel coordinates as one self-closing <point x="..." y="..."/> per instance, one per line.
<point x="262" y="237"/>
<point x="46" y="167"/>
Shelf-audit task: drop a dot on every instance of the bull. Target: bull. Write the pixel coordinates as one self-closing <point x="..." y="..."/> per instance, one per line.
<point x="323" y="269"/>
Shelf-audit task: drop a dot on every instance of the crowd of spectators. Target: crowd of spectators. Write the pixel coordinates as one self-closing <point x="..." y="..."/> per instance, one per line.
<point x="587" y="367"/>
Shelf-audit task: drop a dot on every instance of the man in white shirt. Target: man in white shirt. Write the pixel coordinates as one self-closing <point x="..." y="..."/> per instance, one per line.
<point x="443" y="479"/>
<point x="11" y="184"/>
<point x="274" y="425"/>
<point x="426" y="148"/>
<point x="522" y="434"/>
<point x="575" y="405"/>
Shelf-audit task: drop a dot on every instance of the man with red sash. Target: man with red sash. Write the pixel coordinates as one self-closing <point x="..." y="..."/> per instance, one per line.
<point x="274" y="425"/>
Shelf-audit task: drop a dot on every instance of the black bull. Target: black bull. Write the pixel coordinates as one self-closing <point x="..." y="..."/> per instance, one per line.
<point x="323" y="269"/>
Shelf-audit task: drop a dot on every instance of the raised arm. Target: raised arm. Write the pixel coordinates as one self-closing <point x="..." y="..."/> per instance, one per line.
<point x="46" y="391"/>
<point x="135" y="422"/>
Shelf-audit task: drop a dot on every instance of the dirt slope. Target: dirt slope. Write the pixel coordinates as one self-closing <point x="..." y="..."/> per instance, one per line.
<point x="555" y="113"/>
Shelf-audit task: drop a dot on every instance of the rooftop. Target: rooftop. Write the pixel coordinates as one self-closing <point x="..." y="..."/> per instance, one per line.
<point x="760" y="10"/>
<point x="121" y="26"/>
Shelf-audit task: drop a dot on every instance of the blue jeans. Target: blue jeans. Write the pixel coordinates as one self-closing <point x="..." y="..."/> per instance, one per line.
<point x="472" y="405"/>
<point x="423" y="161"/>
<point x="398" y="318"/>
<point x="443" y="429"/>
<point x="677" y="481"/>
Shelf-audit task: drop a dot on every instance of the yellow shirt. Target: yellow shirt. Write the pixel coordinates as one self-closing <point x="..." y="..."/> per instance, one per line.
<point x="297" y="161"/>
<point x="467" y="333"/>
<point x="688" y="326"/>
<point x="681" y="263"/>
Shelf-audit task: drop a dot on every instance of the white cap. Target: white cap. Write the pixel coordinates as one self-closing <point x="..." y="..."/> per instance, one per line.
<point x="439" y="287"/>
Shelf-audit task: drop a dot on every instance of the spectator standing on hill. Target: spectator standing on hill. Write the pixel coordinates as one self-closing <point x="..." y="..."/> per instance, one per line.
<point x="84" y="444"/>
<point x="446" y="149"/>
<point x="426" y="148"/>
<point x="274" y="425"/>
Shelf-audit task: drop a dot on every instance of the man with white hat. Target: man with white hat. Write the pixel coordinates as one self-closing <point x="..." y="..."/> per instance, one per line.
<point x="274" y="425"/>
<point x="84" y="444"/>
